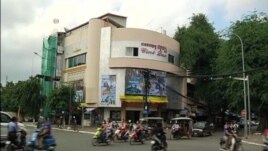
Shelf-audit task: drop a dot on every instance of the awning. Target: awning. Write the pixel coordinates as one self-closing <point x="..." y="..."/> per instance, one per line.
<point x="139" y="99"/>
<point x="87" y="104"/>
<point x="89" y="109"/>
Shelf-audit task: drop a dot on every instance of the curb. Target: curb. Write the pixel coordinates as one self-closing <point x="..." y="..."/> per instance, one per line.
<point x="64" y="129"/>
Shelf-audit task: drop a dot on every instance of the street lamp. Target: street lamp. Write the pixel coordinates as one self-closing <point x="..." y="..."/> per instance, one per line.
<point x="41" y="109"/>
<point x="36" y="53"/>
<point x="244" y="84"/>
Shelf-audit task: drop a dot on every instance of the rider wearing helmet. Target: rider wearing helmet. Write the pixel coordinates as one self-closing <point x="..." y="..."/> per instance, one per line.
<point x="158" y="131"/>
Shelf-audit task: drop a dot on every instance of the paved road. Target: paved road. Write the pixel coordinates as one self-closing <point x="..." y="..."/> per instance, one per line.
<point x="73" y="141"/>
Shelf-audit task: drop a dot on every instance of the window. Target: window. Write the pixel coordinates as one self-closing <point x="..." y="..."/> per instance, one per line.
<point x="5" y="118"/>
<point x="77" y="60"/>
<point x="135" y="52"/>
<point x="170" y="58"/>
<point x="132" y="51"/>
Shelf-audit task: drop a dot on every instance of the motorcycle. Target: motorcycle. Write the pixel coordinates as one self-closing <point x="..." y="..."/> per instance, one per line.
<point x="136" y="137"/>
<point x="158" y="143"/>
<point x="237" y="146"/>
<point x="49" y="142"/>
<point x="98" y="138"/>
<point x="19" y="143"/>
<point x="119" y="136"/>
<point x="176" y="133"/>
<point x="147" y="133"/>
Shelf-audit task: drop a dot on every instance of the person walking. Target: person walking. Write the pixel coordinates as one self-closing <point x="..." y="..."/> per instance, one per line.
<point x="74" y="123"/>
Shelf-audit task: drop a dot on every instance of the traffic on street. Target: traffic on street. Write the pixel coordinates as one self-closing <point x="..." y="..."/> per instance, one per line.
<point x="69" y="140"/>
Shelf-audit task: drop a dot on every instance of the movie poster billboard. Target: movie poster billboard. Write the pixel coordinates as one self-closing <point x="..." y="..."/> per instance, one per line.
<point x="135" y="83"/>
<point x="108" y="87"/>
<point x="79" y="91"/>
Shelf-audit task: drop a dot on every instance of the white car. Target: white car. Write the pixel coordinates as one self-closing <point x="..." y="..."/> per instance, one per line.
<point x="5" y="119"/>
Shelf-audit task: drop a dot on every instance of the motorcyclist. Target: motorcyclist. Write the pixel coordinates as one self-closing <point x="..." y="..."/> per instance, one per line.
<point x="109" y="128"/>
<point x="175" y="127"/>
<point x="123" y="128"/>
<point x="138" y="130"/>
<point x="45" y="132"/>
<point x="229" y="136"/>
<point x="158" y="129"/>
<point x="13" y="130"/>
<point x="103" y="129"/>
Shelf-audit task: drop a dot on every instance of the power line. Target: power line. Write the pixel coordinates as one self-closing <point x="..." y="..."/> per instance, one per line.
<point x="226" y="74"/>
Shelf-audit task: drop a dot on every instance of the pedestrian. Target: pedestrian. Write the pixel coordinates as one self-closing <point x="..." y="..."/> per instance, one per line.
<point x="74" y="123"/>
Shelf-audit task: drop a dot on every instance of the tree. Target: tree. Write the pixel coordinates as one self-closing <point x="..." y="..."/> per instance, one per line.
<point x="199" y="45"/>
<point x="253" y="30"/>
<point x="60" y="99"/>
<point x="23" y="96"/>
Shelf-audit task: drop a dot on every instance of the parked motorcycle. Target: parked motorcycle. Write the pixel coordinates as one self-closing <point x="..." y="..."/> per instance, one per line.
<point x="237" y="147"/>
<point x="158" y="143"/>
<point x="49" y="142"/>
<point x="100" y="138"/>
<point x="17" y="144"/>
<point x="136" y="137"/>
<point x="119" y="136"/>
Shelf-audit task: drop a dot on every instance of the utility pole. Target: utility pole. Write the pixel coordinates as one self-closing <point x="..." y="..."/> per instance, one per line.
<point x="146" y="75"/>
<point x="244" y="84"/>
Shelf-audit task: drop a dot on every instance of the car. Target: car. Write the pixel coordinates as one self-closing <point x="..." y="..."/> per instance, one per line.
<point x="202" y="128"/>
<point x="5" y="119"/>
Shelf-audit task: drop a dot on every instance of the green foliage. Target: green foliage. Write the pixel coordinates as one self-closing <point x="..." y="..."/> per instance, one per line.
<point x="60" y="98"/>
<point x="253" y="30"/>
<point x="198" y="50"/>
<point x="198" y="44"/>
<point x="23" y="96"/>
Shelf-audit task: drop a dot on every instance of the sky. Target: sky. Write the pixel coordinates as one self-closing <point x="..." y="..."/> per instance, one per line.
<point x="24" y="23"/>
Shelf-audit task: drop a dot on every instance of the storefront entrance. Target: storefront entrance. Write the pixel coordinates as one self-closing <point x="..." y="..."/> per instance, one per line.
<point x="132" y="115"/>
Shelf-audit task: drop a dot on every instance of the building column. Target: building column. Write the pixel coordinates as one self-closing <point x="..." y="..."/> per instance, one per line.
<point x="123" y="111"/>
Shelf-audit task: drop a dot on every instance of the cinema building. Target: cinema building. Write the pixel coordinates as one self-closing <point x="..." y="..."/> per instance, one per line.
<point x="111" y="66"/>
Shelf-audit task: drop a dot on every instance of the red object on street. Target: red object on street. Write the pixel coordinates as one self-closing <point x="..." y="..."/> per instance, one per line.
<point x="265" y="133"/>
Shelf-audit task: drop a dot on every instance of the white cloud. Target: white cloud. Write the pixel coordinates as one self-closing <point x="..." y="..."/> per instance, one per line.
<point x="25" y="23"/>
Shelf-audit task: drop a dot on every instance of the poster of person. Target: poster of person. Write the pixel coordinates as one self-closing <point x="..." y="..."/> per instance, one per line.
<point x="158" y="83"/>
<point x="108" y="87"/>
<point x="79" y="96"/>
<point x="135" y="83"/>
<point x="79" y="91"/>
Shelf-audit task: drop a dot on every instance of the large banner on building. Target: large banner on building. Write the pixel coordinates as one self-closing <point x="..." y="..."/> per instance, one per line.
<point x="108" y="89"/>
<point x="135" y="83"/>
<point x="79" y="91"/>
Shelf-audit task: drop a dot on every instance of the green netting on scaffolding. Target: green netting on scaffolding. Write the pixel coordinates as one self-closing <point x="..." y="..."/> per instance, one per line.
<point x="48" y="66"/>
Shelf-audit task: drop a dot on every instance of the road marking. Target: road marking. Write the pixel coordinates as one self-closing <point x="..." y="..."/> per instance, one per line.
<point x="252" y="143"/>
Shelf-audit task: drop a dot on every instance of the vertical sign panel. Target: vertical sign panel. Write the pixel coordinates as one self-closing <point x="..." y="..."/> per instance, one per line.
<point x="108" y="90"/>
